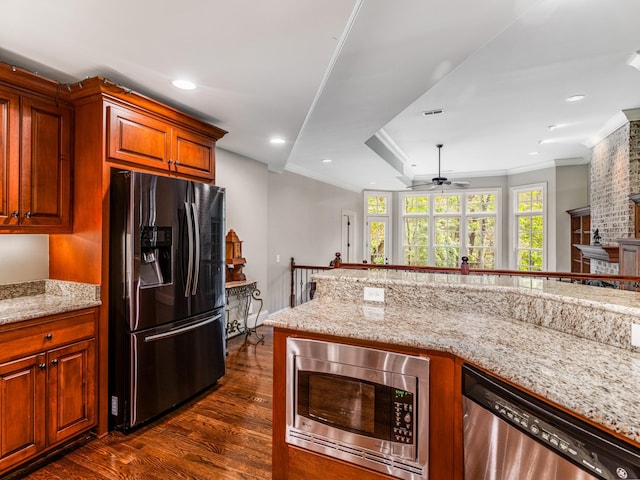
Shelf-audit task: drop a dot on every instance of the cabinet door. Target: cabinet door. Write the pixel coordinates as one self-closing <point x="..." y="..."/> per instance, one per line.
<point x="137" y="139"/>
<point x="193" y="154"/>
<point x="9" y="157"/>
<point x="22" y="404"/>
<point x="71" y="389"/>
<point x="45" y="164"/>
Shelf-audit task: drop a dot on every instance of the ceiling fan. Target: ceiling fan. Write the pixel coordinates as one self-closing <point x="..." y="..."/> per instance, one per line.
<point x="440" y="180"/>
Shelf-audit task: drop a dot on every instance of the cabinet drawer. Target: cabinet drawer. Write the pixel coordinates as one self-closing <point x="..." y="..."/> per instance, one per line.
<point x="52" y="332"/>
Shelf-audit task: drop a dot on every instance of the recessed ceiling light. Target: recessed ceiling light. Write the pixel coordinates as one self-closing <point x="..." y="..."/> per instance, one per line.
<point x="277" y="140"/>
<point x="326" y="160"/>
<point x="546" y="140"/>
<point x="552" y="127"/>
<point x="372" y="183"/>
<point x="184" y="84"/>
<point x="575" y="98"/>
<point x="533" y="153"/>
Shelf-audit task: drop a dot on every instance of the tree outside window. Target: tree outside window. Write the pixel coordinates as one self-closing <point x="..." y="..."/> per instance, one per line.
<point x="378" y="227"/>
<point x="440" y="228"/>
<point x="529" y="216"/>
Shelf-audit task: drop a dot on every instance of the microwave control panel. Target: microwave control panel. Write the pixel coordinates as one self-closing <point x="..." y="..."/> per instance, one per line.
<point x="403" y="417"/>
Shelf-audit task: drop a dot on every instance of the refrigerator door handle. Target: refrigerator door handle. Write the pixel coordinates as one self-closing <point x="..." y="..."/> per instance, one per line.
<point x="187" y="207"/>
<point x="196" y="226"/>
<point x="179" y="331"/>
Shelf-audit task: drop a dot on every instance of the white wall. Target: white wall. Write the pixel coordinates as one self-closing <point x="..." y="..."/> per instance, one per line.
<point x="305" y="221"/>
<point x="572" y="191"/>
<point x="23" y="258"/>
<point x="245" y="182"/>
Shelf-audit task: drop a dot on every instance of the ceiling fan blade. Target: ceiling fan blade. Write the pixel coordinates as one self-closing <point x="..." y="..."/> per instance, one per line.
<point x="418" y="185"/>
<point x="435" y="185"/>
<point x="461" y="183"/>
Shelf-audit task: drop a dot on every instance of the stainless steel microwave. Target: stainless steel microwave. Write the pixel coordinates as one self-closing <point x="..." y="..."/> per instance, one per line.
<point x="361" y="405"/>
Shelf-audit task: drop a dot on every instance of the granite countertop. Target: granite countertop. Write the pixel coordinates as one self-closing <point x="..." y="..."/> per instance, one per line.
<point x="39" y="298"/>
<point x="593" y="379"/>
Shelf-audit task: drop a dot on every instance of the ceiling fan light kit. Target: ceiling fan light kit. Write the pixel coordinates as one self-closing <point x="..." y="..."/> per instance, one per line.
<point x="440" y="181"/>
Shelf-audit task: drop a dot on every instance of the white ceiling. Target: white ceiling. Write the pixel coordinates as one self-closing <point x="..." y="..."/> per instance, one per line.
<point x="349" y="79"/>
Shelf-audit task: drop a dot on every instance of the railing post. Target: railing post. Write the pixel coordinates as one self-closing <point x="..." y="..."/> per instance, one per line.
<point x="292" y="296"/>
<point x="464" y="267"/>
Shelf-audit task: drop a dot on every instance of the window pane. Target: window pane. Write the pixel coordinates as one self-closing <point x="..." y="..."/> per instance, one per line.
<point x="477" y="203"/>
<point x="416" y="231"/>
<point x="447" y="231"/>
<point x="377" y="205"/>
<point x="447" y="204"/>
<point x="416" y="205"/>
<point x="376" y="242"/>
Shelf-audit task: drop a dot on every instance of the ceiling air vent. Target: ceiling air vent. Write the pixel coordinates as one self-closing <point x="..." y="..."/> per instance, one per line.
<point x="428" y="113"/>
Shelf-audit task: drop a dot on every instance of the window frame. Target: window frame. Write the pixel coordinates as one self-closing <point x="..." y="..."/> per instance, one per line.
<point x="388" y="218"/>
<point x="463" y="215"/>
<point x="514" y="216"/>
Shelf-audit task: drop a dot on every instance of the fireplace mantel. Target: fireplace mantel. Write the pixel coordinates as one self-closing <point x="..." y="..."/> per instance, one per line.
<point x="606" y="253"/>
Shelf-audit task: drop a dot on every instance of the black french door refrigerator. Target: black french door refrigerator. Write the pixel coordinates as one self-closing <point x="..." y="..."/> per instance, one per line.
<point x="166" y="293"/>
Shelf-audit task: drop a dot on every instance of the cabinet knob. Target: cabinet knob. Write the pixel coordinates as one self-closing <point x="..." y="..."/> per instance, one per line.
<point x="54" y="361"/>
<point x="42" y="366"/>
<point x="15" y="214"/>
<point x="48" y="336"/>
<point x="169" y="162"/>
<point x="28" y="214"/>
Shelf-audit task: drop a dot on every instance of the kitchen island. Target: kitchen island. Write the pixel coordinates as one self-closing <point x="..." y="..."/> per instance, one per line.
<point x="567" y="344"/>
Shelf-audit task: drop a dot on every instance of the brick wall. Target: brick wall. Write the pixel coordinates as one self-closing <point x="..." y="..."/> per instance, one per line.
<point x="615" y="174"/>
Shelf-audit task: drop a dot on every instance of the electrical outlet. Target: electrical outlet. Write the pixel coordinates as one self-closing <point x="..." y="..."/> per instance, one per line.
<point x="373" y="294"/>
<point x="635" y="335"/>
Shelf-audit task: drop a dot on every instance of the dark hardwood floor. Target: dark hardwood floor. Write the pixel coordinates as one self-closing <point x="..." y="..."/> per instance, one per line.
<point x="223" y="434"/>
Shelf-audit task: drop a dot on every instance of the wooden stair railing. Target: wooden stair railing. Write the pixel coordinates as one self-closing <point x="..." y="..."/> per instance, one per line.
<point x="303" y="285"/>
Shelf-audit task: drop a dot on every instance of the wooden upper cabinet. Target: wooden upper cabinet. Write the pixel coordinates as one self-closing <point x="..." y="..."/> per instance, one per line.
<point x="9" y="157"/>
<point x="193" y="154"/>
<point x="137" y="139"/>
<point x="143" y="134"/>
<point x="35" y="155"/>
<point x="45" y="165"/>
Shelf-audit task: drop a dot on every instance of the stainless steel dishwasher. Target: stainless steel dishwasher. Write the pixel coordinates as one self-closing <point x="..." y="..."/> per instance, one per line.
<point x="509" y="435"/>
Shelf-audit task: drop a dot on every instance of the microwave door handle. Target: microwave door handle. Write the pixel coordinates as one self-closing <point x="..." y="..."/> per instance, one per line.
<point x="187" y="208"/>
<point x="196" y="235"/>
<point x="179" y="331"/>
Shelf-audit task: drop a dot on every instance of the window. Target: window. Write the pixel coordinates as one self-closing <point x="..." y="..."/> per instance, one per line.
<point x="440" y="228"/>
<point x="378" y="227"/>
<point x="481" y="220"/>
<point x="529" y="227"/>
<point x="416" y="230"/>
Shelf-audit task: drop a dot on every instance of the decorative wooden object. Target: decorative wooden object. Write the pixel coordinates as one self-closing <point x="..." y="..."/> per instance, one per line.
<point x="580" y="235"/>
<point x="234" y="260"/>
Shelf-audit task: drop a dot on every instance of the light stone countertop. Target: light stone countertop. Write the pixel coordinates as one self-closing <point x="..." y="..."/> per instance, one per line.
<point x="594" y="379"/>
<point x="39" y="298"/>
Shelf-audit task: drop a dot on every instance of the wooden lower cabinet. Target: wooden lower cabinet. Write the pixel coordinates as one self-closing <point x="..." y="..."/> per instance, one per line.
<point x="47" y="396"/>
<point x="22" y="410"/>
<point x="445" y="421"/>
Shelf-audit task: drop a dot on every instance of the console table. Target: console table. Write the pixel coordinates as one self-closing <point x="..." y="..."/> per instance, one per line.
<point x="245" y="291"/>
